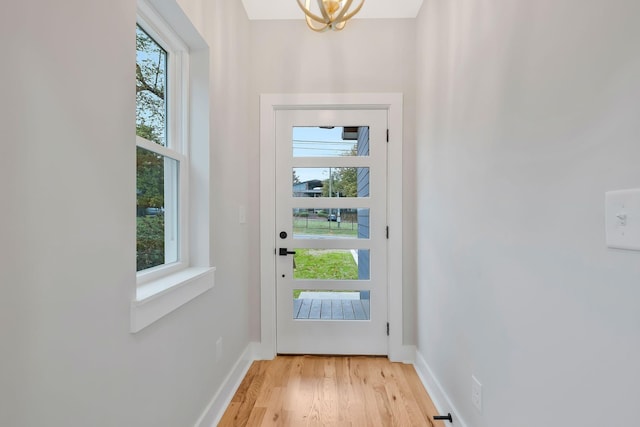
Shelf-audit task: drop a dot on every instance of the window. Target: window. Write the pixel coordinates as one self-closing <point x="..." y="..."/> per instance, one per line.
<point x="161" y="163"/>
<point x="172" y="157"/>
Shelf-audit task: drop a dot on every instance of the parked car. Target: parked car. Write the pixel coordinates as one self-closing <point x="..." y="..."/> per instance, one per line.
<point x="332" y="217"/>
<point x="154" y="211"/>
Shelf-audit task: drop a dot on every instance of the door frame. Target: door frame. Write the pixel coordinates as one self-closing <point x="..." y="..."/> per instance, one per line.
<point x="269" y="105"/>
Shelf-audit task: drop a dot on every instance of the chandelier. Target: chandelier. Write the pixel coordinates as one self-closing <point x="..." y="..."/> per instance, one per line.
<point x="335" y="14"/>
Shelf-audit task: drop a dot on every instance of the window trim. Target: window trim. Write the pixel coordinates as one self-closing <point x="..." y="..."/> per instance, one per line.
<point x="158" y="298"/>
<point x="162" y="289"/>
<point x="177" y="143"/>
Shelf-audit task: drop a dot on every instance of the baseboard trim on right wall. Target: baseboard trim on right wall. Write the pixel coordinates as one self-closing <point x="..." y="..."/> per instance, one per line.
<point x="438" y="396"/>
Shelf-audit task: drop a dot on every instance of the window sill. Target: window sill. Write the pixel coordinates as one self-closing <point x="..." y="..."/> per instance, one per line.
<point x="160" y="297"/>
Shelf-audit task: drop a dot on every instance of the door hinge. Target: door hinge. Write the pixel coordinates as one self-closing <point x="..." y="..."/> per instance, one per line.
<point x="387" y="231"/>
<point x="387" y="135"/>
<point x="387" y="328"/>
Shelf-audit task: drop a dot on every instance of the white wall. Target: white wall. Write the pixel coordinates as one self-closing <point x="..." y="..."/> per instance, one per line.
<point x="527" y="113"/>
<point x="67" y="264"/>
<point x="368" y="56"/>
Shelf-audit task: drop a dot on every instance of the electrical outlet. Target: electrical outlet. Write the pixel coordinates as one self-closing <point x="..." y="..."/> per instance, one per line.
<point x="476" y="393"/>
<point x="219" y="349"/>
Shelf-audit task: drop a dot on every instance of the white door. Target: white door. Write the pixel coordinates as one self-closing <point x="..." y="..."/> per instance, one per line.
<point x="331" y="231"/>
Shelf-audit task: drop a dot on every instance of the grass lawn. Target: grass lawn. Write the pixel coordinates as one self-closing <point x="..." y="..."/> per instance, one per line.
<point x="325" y="264"/>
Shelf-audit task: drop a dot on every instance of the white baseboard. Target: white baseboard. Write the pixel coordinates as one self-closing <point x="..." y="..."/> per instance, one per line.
<point x="439" y="397"/>
<point x="215" y="409"/>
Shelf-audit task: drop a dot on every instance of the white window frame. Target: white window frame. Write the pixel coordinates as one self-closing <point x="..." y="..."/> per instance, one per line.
<point x="177" y="141"/>
<point x="162" y="289"/>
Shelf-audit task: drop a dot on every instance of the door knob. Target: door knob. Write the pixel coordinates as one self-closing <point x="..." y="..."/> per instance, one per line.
<point x="285" y="252"/>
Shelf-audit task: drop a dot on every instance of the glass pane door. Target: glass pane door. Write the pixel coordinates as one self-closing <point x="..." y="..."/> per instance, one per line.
<point x="331" y="223"/>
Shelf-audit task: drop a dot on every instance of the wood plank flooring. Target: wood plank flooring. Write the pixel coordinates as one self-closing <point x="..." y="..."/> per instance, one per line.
<point x="330" y="391"/>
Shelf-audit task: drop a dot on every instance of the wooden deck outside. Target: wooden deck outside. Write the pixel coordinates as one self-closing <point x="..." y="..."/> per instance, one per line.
<point x="331" y="309"/>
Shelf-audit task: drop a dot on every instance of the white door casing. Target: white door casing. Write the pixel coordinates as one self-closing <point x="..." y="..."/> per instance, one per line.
<point x="269" y="105"/>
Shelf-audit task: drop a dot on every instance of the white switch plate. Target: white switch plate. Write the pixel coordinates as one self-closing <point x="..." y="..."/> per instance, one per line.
<point x="622" y="219"/>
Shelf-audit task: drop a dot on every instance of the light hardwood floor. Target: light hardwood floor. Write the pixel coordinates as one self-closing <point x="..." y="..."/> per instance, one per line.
<point x="330" y="391"/>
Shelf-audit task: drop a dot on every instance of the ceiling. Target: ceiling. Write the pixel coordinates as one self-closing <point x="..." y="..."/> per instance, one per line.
<point x="372" y="9"/>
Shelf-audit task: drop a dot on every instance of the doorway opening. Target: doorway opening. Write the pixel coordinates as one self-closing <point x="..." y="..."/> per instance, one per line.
<point x="335" y="200"/>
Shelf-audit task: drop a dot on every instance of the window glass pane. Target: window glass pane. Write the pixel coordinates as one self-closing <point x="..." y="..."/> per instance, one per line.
<point x="330" y="182"/>
<point x="331" y="305"/>
<point x="331" y="264"/>
<point x="156" y="209"/>
<point x="330" y="223"/>
<point x="330" y="141"/>
<point x="151" y="93"/>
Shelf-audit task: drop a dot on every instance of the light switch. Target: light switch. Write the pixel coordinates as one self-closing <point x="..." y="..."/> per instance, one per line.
<point x="622" y="219"/>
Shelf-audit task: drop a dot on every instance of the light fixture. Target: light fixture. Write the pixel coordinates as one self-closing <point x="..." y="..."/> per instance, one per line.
<point x="334" y="14"/>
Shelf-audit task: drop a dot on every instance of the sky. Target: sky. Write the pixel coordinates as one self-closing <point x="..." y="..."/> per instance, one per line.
<point x="318" y="142"/>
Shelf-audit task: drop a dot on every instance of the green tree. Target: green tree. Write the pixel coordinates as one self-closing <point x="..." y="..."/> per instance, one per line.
<point x="348" y="182"/>
<point x="343" y="180"/>
<point x="150" y="125"/>
<point x="151" y="64"/>
<point x="150" y="242"/>
<point x="150" y="119"/>
<point x="149" y="173"/>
